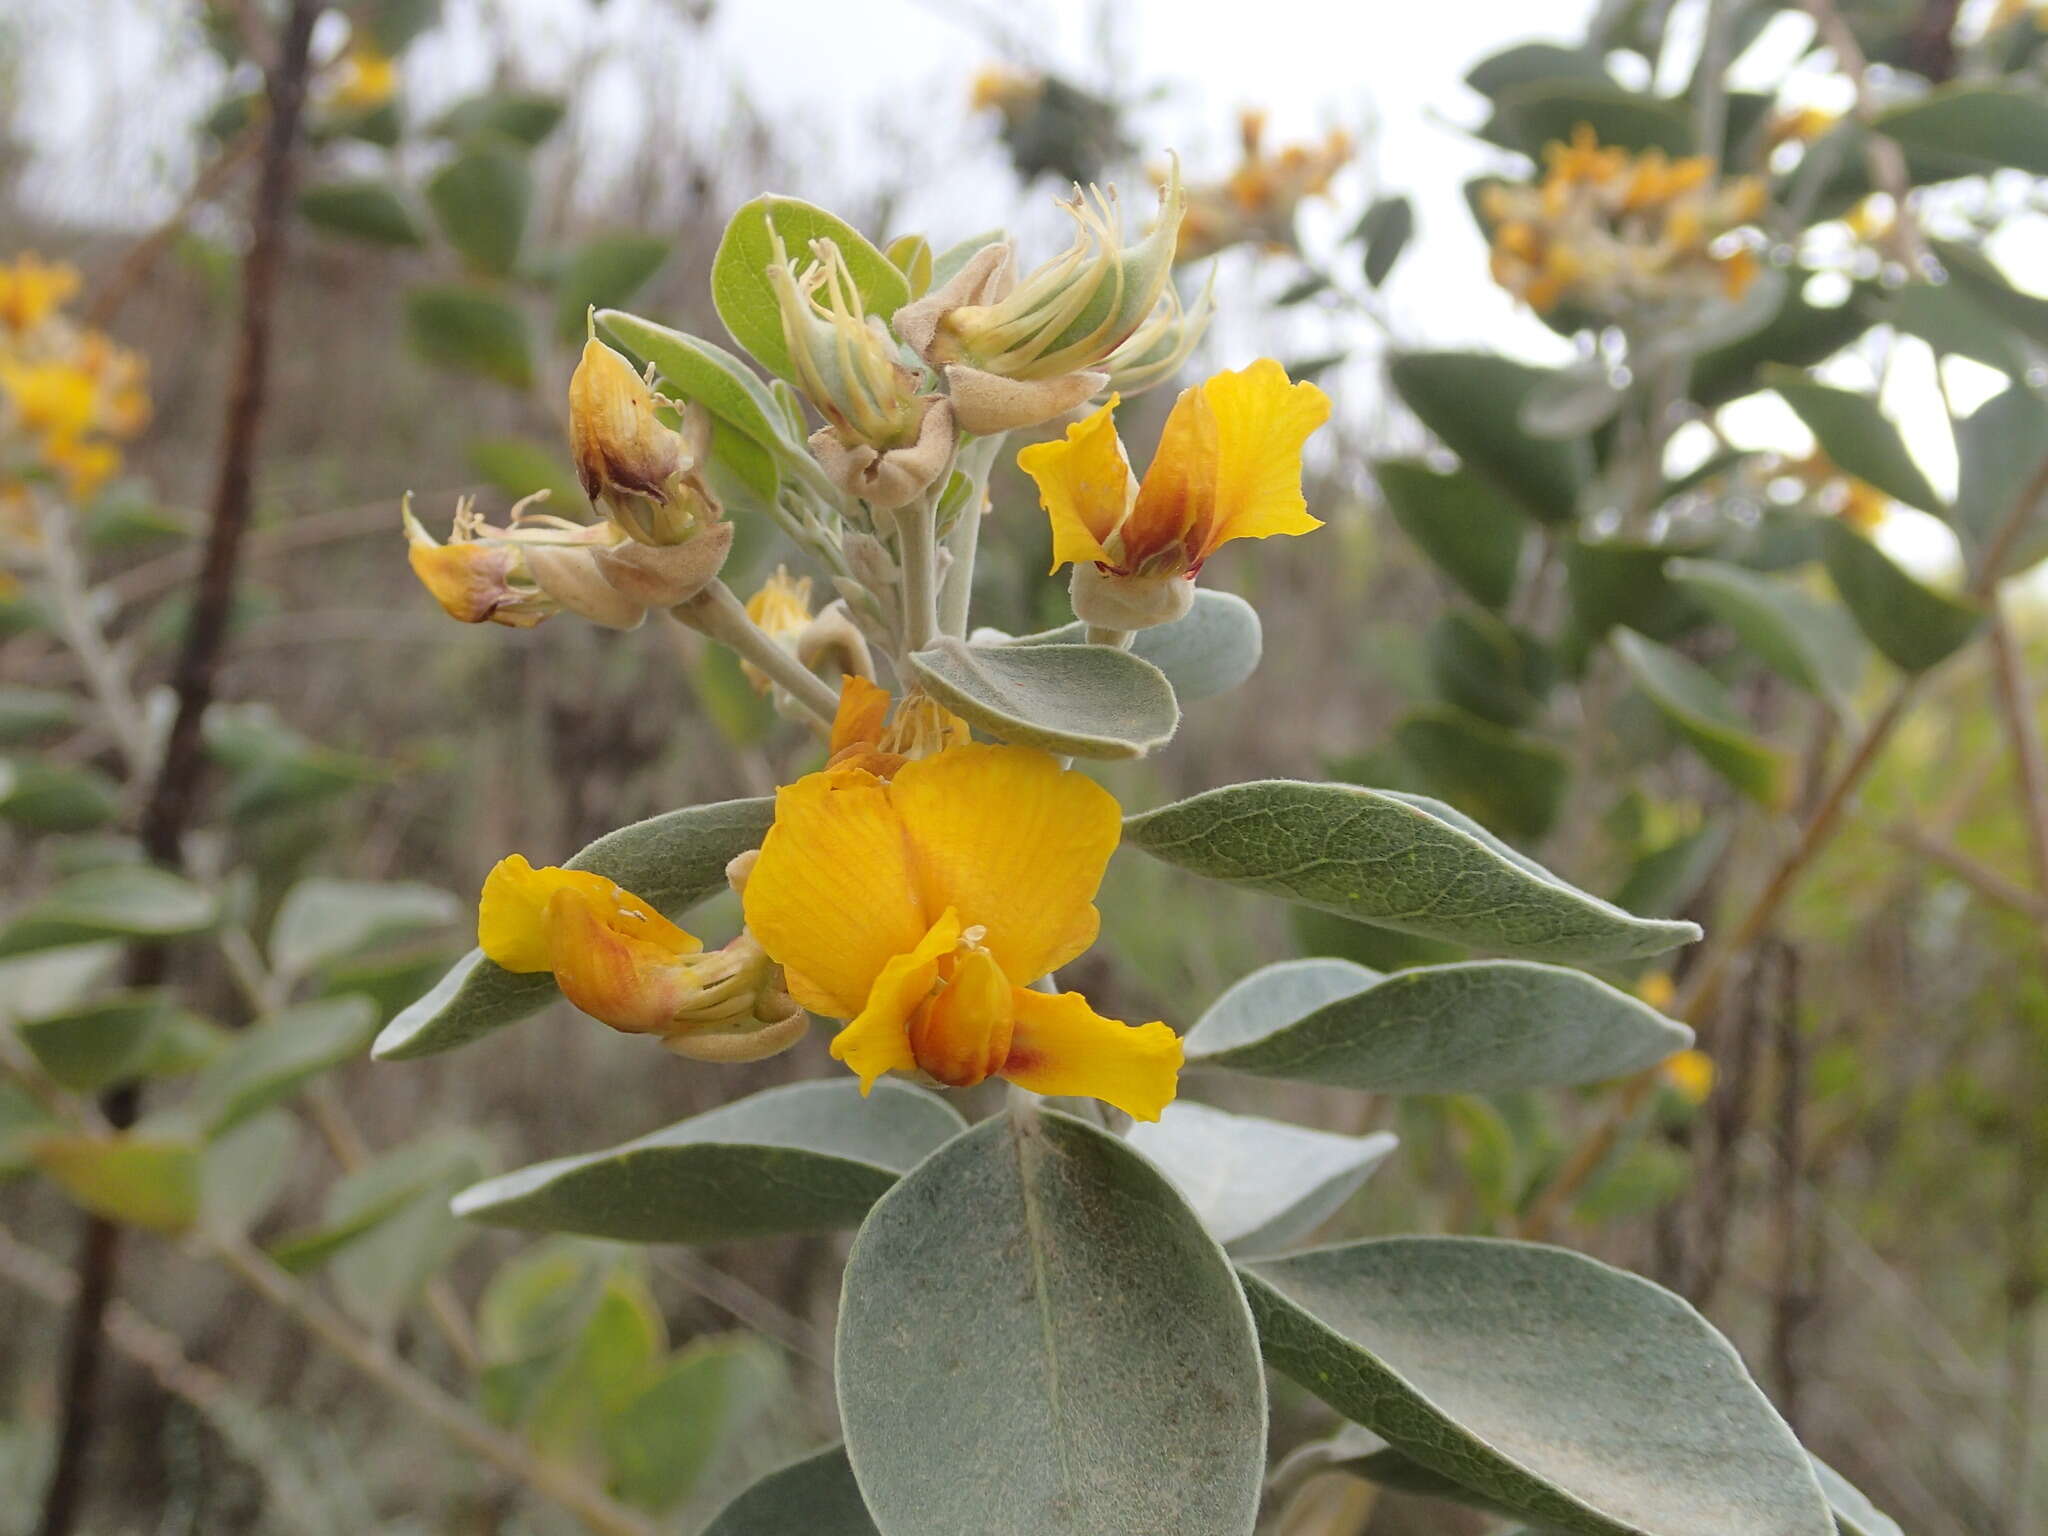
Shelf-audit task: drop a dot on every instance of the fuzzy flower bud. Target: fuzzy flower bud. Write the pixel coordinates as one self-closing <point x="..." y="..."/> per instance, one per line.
<point x="846" y="362"/>
<point x="636" y="469"/>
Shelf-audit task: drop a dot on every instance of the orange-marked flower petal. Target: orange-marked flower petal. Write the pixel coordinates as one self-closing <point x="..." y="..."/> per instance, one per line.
<point x="961" y="1036"/>
<point x="1059" y="1045"/>
<point x="1262" y="421"/>
<point x="877" y="1039"/>
<point x="863" y="711"/>
<point x="629" y="979"/>
<point x="512" y="917"/>
<point x="1085" y="485"/>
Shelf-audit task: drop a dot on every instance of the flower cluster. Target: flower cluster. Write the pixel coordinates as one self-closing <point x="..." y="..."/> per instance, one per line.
<point x="1621" y="235"/>
<point x="68" y="394"/>
<point x="1255" y="204"/>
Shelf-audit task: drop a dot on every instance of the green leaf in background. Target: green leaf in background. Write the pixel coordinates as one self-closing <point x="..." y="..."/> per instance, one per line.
<point x="243" y="1171"/>
<point x="1483" y="1026"/>
<point x="1527" y="63"/>
<point x="1799" y="335"/>
<point x="274" y="769"/>
<point x="144" y="1181"/>
<point x="29" y="714"/>
<point x="613" y="1358"/>
<point x="361" y="208"/>
<point x="912" y="256"/>
<point x="672" y="862"/>
<point x="1529" y="115"/>
<point x="1619" y="582"/>
<point x="1208" y="651"/>
<point x="467" y="329"/>
<point x="1486" y="667"/>
<point x="1473" y="401"/>
<point x="274" y="1058"/>
<point x="1465" y="526"/>
<point x="1068" y="1271"/>
<point x="321" y="920"/>
<point x="1570" y="402"/>
<point x="693" y="369"/>
<point x="1258" y="1185"/>
<point x="394" y="23"/>
<point x="2002" y="446"/>
<point x="1949" y="318"/>
<point x="1811" y="644"/>
<point x="603" y="272"/>
<point x="1385" y="229"/>
<point x="481" y="199"/>
<point x="1855" y="434"/>
<point x="817" y="1496"/>
<point x="85" y="1048"/>
<point x="805" y="1157"/>
<point x="700" y="1403"/>
<point x="1091" y="701"/>
<point x="1974" y="272"/>
<point x="739" y="281"/>
<point x="1382" y="858"/>
<point x="1913" y="625"/>
<point x="380" y="1272"/>
<point x="1997" y="123"/>
<point x="1663" y="880"/>
<point x="40" y="796"/>
<point x="1588" y="1399"/>
<point x="1503" y="778"/>
<point x="518" y="466"/>
<point x="120" y="901"/>
<point x="1696" y="704"/>
<point x="520" y="117"/>
<point x="307" y="1249"/>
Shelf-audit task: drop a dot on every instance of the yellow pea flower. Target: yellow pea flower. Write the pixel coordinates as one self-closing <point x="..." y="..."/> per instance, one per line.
<point x="31" y="290"/>
<point x="1228" y="467"/>
<point x="55" y="399"/>
<point x="863" y="736"/>
<point x="624" y="964"/>
<point x="1690" y="1074"/>
<point x="921" y="908"/>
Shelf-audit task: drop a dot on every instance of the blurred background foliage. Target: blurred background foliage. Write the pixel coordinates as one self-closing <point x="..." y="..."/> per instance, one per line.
<point x="1844" y="1184"/>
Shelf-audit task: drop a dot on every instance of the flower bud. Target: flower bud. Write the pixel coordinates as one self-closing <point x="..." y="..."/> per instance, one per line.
<point x="1159" y="347"/>
<point x="636" y="469"/>
<point x="662" y="575"/>
<point x="889" y="478"/>
<point x="987" y="403"/>
<point x="1106" y="600"/>
<point x="570" y="576"/>
<point x="845" y="361"/>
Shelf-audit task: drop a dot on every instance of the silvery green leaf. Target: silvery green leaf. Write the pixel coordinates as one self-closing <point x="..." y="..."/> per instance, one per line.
<point x="1586" y="1399"/>
<point x="1696" y="704"/>
<point x="1858" y="437"/>
<point x="805" y="1157"/>
<point x="117" y="901"/>
<point x="1080" y="700"/>
<point x="322" y="920"/>
<point x="694" y="369"/>
<point x="1570" y="402"/>
<point x="1271" y="997"/>
<point x="1382" y="858"/>
<point x="1209" y="650"/>
<point x="817" y="1496"/>
<point x="1721" y="324"/>
<point x="1805" y="641"/>
<point x="1912" y="624"/>
<point x="1480" y="1026"/>
<point x="1037" y="1338"/>
<point x="1258" y="1185"/>
<point x="1855" y="1515"/>
<point x="1473" y="402"/>
<point x="672" y="862"/>
<point x="272" y="1059"/>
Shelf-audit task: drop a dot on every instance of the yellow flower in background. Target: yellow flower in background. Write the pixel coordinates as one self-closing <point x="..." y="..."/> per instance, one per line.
<point x="365" y="77"/>
<point x="52" y="399"/>
<point x="1690" y="1074"/>
<point x="1256" y="203"/>
<point x="921" y="908"/>
<point x="1228" y="467"/>
<point x="624" y="964"/>
<point x="32" y="290"/>
<point x="782" y="609"/>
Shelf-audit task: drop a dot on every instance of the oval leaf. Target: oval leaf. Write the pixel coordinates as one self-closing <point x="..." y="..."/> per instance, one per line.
<point x="1806" y="642"/>
<point x="1692" y="699"/>
<point x="98" y="1043"/>
<point x="120" y="901"/>
<point x="1207" y="651"/>
<point x="465" y="328"/>
<point x="273" y="1058"/>
<point x="1856" y="435"/>
<point x="324" y="920"/>
<point x="1258" y="1185"/>
<point x="1999" y="124"/>
<point x="1482" y="1026"/>
<point x="1273" y="996"/>
<point x="1473" y="401"/>
<point x="1072" y="1356"/>
<point x="1587" y="1399"/>
<point x="1466" y="527"/>
<point x="739" y="272"/>
<point x="672" y="862"/>
<point x="605" y="271"/>
<point x="1381" y="858"/>
<point x="361" y="209"/>
<point x="146" y="1181"/>
<point x="817" y="1496"/>
<point x="1512" y="780"/>
<point x="480" y="199"/>
<point x="2001" y="446"/>
<point x="694" y="369"/>
<point x="1913" y="625"/>
<point x="807" y="1157"/>
<point x="1081" y="700"/>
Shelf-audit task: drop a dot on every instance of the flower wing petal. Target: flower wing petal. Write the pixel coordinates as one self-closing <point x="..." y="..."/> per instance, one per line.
<point x="1084" y="484"/>
<point x="834" y="897"/>
<point x="1261" y="423"/>
<point x="1060" y="1045"/>
<point x="1015" y="842"/>
<point x="621" y="978"/>
<point x="877" y="1039"/>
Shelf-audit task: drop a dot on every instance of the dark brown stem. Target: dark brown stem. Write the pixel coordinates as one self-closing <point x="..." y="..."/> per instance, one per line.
<point x="1792" y="1295"/>
<point x="174" y="791"/>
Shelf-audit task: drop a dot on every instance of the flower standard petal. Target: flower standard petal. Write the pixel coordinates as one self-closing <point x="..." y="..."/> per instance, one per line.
<point x="1060" y="1045"/>
<point x="1261" y="423"/>
<point x="833" y="897"/>
<point x="512" y="916"/>
<point x="1085" y="485"/>
<point x="1017" y="843"/>
<point x="877" y="1038"/>
<point x="1176" y="504"/>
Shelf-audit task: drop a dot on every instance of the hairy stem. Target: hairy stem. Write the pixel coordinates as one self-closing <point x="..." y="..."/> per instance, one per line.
<point x="106" y="678"/>
<point x="916" y="546"/>
<point x="720" y="616"/>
